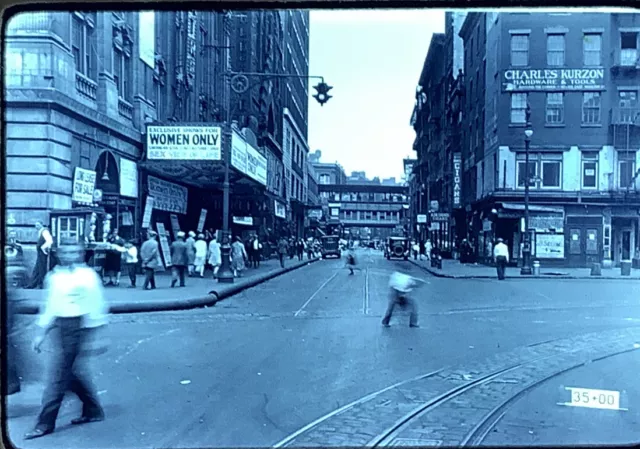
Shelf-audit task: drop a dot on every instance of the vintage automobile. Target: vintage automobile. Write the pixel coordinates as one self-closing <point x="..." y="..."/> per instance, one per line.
<point x="398" y="247"/>
<point x="330" y="246"/>
<point x="16" y="273"/>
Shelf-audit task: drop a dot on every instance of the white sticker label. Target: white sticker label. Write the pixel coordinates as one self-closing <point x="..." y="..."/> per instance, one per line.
<point x="589" y="398"/>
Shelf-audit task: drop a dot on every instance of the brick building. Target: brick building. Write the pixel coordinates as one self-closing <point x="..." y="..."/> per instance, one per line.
<point x="579" y="74"/>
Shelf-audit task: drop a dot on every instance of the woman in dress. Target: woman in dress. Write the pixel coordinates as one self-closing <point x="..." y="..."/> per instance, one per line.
<point x="238" y="256"/>
<point x="201" y="254"/>
<point x="215" y="258"/>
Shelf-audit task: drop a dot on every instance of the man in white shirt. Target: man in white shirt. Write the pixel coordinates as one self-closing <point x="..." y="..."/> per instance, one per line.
<point x="501" y="256"/>
<point x="43" y="246"/>
<point x="74" y="305"/>
<point x="257" y="247"/>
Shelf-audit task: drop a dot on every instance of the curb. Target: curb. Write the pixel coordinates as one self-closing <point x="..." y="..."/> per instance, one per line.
<point x="439" y="274"/>
<point x="214" y="296"/>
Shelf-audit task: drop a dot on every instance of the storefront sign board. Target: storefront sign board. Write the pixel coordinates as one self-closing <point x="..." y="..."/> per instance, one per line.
<point x="553" y="80"/>
<point x="550" y="246"/>
<point x="247" y="159"/>
<point x="84" y="181"/>
<point x="164" y="244"/>
<point x="201" y="221"/>
<point x="280" y="210"/>
<point x="148" y="208"/>
<point x="168" y="196"/>
<point x="128" y="178"/>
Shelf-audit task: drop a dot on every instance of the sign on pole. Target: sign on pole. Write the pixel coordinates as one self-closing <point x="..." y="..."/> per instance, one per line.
<point x="203" y="218"/>
<point x="148" y="208"/>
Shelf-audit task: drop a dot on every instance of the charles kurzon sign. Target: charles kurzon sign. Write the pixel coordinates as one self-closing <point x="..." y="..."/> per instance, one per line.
<point x="553" y="80"/>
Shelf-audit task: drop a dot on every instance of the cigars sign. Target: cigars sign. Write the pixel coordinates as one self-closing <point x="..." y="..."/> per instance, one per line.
<point x="553" y="80"/>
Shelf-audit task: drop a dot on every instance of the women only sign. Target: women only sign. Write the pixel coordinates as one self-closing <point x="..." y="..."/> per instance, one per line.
<point x="190" y="143"/>
<point x="553" y="80"/>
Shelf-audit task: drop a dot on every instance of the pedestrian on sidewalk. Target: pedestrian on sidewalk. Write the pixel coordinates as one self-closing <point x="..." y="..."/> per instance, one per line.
<point x="238" y="257"/>
<point x="300" y="249"/>
<point x="131" y="261"/>
<point x="113" y="258"/>
<point x="422" y="249"/>
<point x="150" y="255"/>
<point x="201" y="255"/>
<point x="428" y="248"/>
<point x="179" y="260"/>
<point x="43" y="247"/>
<point x="501" y="257"/>
<point x="257" y="252"/>
<point x="215" y="256"/>
<point x="309" y="246"/>
<point x="400" y="285"/>
<point x="191" y="253"/>
<point x="75" y="306"/>
<point x="416" y="249"/>
<point x="283" y="248"/>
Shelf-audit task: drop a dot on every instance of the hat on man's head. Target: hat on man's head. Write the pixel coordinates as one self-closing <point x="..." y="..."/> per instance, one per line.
<point x="180" y="235"/>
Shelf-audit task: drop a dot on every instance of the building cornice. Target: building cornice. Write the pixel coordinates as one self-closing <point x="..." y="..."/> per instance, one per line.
<point x="292" y="121"/>
<point x="34" y="98"/>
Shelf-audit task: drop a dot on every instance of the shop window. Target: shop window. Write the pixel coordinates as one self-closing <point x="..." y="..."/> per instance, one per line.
<point x="518" y="108"/>
<point x="69" y="228"/>
<point x="591" y="106"/>
<point x="555" y="108"/>
<point x="592" y="49"/>
<point x="590" y="170"/>
<point x="555" y="50"/>
<point x="519" y="50"/>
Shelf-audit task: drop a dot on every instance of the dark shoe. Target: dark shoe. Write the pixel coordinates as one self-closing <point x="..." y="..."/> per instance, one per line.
<point x="132" y="286"/>
<point x="414" y="325"/>
<point x="386" y="325"/>
<point x="37" y="433"/>
<point x="87" y="419"/>
<point x="173" y="283"/>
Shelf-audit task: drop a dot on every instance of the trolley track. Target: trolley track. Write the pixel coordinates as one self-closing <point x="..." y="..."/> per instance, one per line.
<point x="313" y="433"/>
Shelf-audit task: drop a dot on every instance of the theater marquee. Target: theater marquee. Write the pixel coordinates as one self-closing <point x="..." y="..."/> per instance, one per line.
<point x="552" y="80"/>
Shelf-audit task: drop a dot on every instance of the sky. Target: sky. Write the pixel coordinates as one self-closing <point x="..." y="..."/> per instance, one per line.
<point x="373" y="60"/>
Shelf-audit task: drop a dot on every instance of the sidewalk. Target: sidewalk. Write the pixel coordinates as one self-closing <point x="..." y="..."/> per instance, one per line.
<point x="198" y="292"/>
<point x="453" y="269"/>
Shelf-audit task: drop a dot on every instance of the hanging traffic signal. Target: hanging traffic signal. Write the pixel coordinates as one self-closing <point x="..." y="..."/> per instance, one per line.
<point x="323" y="93"/>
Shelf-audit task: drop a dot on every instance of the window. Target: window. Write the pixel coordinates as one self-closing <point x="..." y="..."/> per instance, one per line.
<point x="591" y="108"/>
<point x="83" y="44"/>
<point x="555" y="108"/>
<point x="589" y="170"/>
<point x="518" y="108"/>
<point x="592" y="49"/>
<point x="628" y="102"/>
<point x="122" y="73"/>
<point x="519" y="50"/>
<point x="555" y="50"/>
<point x="533" y="170"/>
<point x="626" y="170"/>
<point x="68" y="228"/>
<point x="551" y="171"/>
<point x="628" y="48"/>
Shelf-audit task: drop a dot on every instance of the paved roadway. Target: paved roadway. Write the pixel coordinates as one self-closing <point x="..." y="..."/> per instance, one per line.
<point x="261" y="365"/>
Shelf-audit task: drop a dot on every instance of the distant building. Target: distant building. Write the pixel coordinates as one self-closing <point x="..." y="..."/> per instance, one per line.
<point x="327" y="173"/>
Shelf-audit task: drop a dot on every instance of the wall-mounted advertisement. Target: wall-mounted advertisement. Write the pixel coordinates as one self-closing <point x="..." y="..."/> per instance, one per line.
<point x="146" y="37"/>
<point x="528" y="80"/>
<point x="457" y="179"/>
<point x="248" y="160"/>
<point x="186" y="143"/>
<point x="168" y="196"/>
<point x="128" y="178"/>
<point x="549" y="246"/>
<point x="84" y="181"/>
<point x="280" y="210"/>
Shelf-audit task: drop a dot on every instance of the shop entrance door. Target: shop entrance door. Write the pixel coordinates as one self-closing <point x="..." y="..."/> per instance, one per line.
<point x="624" y="245"/>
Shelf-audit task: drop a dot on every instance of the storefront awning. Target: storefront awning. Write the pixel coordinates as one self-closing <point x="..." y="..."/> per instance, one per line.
<point x="200" y="174"/>
<point x="516" y="207"/>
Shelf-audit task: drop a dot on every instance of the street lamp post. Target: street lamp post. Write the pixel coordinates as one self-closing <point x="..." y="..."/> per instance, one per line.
<point x="239" y="83"/>
<point x="526" y="251"/>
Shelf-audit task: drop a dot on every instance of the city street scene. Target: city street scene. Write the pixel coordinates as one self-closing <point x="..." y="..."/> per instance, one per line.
<point x="321" y="228"/>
